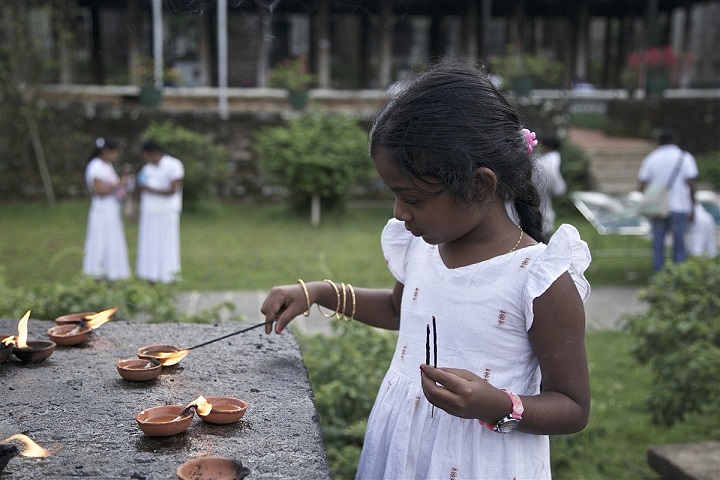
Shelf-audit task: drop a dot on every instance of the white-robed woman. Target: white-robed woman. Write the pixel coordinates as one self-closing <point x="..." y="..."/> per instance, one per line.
<point x="160" y="183"/>
<point x="106" y="255"/>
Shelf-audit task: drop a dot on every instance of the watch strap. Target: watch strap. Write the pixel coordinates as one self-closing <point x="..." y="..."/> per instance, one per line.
<point x="516" y="413"/>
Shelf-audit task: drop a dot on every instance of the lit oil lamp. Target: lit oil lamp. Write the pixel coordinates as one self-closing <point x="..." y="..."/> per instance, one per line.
<point x="8" y="451"/>
<point x="168" y="420"/>
<point x="75" y="328"/>
<point x="31" y="351"/>
<point x="170" y="355"/>
<point x="224" y="410"/>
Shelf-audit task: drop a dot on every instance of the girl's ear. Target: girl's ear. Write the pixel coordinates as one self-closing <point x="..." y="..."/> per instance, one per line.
<point x="484" y="183"/>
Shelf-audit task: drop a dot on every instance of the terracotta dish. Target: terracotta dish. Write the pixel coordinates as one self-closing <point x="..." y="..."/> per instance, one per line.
<point x="5" y="352"/>
<point x="225" y="410"/>
<point x="138" y="369"/>
<point x="151" y="351"/>
<point x="216" y="468"/>
<point x="72" y="318"/>
<point x="37" y="351"/>
<point x="63" y="334"/>
<point x="164" y="421"/>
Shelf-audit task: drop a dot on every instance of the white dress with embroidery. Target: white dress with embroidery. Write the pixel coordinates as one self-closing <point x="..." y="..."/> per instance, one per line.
<point x="483" y="313"/>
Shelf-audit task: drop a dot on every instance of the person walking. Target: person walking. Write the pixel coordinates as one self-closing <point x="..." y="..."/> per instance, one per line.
<point x="670" y="165"/>
<point x="105" y="254"/>
<point x="476" y="293"/>
<point x="160" y="184"/>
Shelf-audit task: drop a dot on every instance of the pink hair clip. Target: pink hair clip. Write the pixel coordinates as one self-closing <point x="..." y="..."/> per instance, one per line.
<point x="530" y="139"/>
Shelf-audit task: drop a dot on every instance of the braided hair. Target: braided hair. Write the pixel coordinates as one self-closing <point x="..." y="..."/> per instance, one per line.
<point x="449" y="120"/>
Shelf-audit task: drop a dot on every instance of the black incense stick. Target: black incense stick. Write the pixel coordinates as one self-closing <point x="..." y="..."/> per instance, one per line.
<point x="427" y="346"/>
<point x="230" y="335"/>
<point x="434" y="343"/>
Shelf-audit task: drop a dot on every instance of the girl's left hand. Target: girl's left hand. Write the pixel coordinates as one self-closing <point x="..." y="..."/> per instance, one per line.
<point x="462" y="393"/>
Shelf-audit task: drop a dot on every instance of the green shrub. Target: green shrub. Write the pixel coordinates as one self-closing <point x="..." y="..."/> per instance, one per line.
<point x="133" y="297"/>
<point x="679" y="337"/>
<point x="709" y="169"/>
<point x="321" y="154"/>
<point x="205" y="163"/>
<point x="345" y="372"/>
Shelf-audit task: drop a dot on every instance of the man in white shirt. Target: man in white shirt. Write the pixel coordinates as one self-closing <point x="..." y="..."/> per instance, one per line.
<point x="669" y="165"/>
<point x="160" y="183"/>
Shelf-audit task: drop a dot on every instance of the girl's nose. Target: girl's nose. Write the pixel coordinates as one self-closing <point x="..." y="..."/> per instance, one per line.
<point x="400" y="211"/>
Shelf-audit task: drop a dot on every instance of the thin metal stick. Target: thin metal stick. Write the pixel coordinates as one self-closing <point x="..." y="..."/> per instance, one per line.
<point x="230" y="335"/>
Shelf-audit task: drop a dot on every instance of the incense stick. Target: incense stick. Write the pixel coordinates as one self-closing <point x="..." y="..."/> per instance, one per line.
<point x="230" y="335"/>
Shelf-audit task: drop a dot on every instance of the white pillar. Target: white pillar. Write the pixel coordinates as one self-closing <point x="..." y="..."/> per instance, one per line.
<point x="157" y="42"/>
<point x="222" y="59"/>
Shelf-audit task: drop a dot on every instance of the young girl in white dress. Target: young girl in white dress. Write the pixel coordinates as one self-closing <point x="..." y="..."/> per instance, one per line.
<point x="498" y="308"/>
<point x="106" y="255"/>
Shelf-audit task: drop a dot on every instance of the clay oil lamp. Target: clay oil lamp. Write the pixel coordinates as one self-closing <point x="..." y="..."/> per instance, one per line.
<point x="8" y="451"/>
<point x="217" y="468"/>
<point x="168" y="420"/>
<point x="224" y="410"/>
<point x="76" y="328"/>
<point x="170" y="355"/>
<point x="33" y="351"/>
<point x="139" y="369"/>
<point x="6" y="349"/>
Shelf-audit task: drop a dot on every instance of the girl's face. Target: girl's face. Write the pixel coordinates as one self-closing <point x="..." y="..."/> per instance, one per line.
<point x="431" y="213"/>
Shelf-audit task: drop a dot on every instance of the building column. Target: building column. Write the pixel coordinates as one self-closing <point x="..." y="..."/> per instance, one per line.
<point x="385" y="54"/>
<point x="582" y="44"/>
<point x="98" y="70"/>
<point x="134" y="54"/>
<point x="470" y="28"/>
<point x="484" y="27"/>
<point x="324" y="45"/>
<point x="263" y="57"/>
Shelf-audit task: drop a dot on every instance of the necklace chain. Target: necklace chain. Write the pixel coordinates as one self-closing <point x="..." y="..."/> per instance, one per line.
<point x="518" y="240"/>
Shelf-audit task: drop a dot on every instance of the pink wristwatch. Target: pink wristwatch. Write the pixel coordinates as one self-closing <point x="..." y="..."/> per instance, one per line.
<point x="510" y="422"/>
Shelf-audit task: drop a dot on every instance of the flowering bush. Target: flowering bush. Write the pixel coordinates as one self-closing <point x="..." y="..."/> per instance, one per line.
<point x="654" y="60"/>
<point x="292" y="75"/>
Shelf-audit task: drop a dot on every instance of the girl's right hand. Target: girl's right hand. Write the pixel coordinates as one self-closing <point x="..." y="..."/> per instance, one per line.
<point x="282" y="305"/>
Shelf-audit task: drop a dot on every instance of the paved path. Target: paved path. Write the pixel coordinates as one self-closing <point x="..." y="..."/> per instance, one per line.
<point x="605" y="308"/>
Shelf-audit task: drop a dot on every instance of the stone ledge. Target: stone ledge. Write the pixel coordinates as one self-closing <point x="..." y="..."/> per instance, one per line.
<point x="76" y="401"/>
<point x="686" y="461"/>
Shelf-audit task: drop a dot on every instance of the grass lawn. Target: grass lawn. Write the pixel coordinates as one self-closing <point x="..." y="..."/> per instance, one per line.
<point x="237" y="247"/>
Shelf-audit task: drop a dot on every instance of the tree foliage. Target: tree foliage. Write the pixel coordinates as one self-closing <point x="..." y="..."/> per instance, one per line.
<point x="321" y="154"/>
<point x="679" y="337"/>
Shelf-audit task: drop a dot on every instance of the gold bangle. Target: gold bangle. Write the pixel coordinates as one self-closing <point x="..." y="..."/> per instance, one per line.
<point x="307" y="296"/>
<point x="337" y="293"/>
<point x="344" y="303"/>
<point x="352" y="295"/>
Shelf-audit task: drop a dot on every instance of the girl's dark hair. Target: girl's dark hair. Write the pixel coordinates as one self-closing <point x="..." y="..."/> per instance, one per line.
<point x="448" y="121"/>
<point x="152" y="146"/>
<point x="103" y="143"/>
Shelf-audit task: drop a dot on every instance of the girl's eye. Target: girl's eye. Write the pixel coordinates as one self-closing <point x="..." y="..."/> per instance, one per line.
<point x="410" y="201"/>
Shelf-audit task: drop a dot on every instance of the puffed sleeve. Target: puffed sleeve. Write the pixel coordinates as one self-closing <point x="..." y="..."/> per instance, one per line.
<point x="396" y="242"/>
<point x="565" y="252"/>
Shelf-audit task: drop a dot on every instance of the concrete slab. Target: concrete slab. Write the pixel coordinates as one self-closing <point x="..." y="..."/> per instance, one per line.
<point x="76" y="402"/>
<point x="686" y="461"/>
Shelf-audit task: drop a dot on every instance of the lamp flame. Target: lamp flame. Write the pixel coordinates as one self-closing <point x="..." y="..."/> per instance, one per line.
<point x="32" y="449"/>
<point x="96" y="319"/>
<point x="202" y="406"/>
<point x="21" y="340"/>
<point x="171" y="358"/>
<point x="9" y="340"/>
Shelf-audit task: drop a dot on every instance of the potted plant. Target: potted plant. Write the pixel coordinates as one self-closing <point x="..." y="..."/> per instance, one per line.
<point x="655" y="68"/>
<point x="293" y="75"/>
<point x="521" y="72"/>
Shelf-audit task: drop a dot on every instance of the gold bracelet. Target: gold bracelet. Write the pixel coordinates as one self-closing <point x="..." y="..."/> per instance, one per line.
<point x="337" y="292"/>
<point x="352" y="295"/>
<point x="344" y="303"/>
<point x="307" y="296"/>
